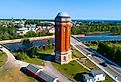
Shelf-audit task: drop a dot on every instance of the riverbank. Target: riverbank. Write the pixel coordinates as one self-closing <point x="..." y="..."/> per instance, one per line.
<point x="115" y="34"/>
<point x="80" y="35"/>
<point x="97" y="32"/>
<point x="31" y="39"/>
<point x="34" y="39"/>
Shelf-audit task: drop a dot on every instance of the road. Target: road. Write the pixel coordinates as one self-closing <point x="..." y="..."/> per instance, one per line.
<point x="11" y="61"/>
<point x="112" y="69"/>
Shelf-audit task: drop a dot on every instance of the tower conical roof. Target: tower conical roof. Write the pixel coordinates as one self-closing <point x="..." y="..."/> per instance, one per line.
<point x="62" y="14"/>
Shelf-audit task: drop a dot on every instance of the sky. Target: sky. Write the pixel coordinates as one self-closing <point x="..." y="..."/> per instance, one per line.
<point x="48" y="9"/>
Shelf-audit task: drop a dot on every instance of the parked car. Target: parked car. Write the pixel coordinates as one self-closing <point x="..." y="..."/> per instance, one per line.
<point x="103" y="64"/>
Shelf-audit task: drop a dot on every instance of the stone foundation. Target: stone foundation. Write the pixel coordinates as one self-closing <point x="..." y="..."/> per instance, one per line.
<point x="63" y="57"/>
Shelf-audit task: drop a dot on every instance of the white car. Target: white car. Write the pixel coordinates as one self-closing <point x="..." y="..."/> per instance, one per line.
<point x="89" y="55"/>
<point x="116" y="77"/>
<point x="1" y="47"/>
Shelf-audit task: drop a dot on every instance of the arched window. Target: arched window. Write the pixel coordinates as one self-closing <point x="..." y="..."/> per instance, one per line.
<point x="58" y="29"/>
<point x="64" y="29"/>
<point x="64" y="58"/>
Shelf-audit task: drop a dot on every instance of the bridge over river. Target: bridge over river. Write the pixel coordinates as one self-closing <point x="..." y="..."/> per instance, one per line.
<point x="100" y="38"/>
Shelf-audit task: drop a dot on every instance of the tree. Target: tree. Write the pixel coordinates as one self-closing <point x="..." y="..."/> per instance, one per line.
<point x="21" y="56"/>
<point x="31" y="34"/>
<point x="48" y="42"/>
<point x="27" y="44"/>
<point x="33" y="51"/>
<point x="29" y="48"/>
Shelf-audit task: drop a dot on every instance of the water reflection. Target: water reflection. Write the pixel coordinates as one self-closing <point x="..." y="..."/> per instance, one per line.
<point x="38" y="43"/>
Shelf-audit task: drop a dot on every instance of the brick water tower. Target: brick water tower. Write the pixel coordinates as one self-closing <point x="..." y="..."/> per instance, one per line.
<point x="63" y="52"/>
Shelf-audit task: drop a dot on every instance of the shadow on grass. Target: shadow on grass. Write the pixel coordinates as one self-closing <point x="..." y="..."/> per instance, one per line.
<point x="78" y="77"/>
<point x="46" y="57"/>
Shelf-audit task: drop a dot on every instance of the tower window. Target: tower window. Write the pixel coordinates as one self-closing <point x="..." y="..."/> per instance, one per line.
<point x="64" y="58"/>
<point x="64" y="29"/>
<point x="58" y="29"/>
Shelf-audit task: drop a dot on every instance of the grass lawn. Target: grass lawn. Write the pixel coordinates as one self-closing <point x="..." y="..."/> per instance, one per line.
<point x="35" y="61"/>
<point x="3" y="58"/>
<point x="94" y="47"/>
<point x="108" y="79"/>
<point x="89" y="64"/>
<point x="14" y="75"/>
<point x="77" y="54"/>
<point x="47" y="51"/>
<point x="42" y="55"/>
<point x="72" y="70"/>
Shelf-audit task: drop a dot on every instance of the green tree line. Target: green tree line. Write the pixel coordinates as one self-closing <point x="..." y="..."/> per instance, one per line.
<point x="110" y="50"/>
<point x="87" y="27"/>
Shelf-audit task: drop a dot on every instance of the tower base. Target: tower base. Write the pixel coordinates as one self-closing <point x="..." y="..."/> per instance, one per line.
<point x="63" y="57"/>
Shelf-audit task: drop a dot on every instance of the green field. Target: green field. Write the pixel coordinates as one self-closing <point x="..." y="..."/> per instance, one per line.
<point x="108" y="79"/>
<point x="39" y="60"/>
<point x="3" y="58"/>
<point x="77" y="54"/>
<point x="47" y="51"/>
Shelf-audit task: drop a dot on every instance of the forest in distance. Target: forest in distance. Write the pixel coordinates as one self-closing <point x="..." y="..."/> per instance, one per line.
<point x="90" y="27"/>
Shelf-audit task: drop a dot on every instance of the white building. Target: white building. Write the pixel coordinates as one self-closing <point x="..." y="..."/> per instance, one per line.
<point x="40" y="74"/>
<point x="94" y="76"/>
<point x="23" y="31"/>
<point x="52" y="30"/>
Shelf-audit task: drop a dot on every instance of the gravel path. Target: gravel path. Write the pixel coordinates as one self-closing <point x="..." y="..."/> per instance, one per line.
<point x="49" y="68"/>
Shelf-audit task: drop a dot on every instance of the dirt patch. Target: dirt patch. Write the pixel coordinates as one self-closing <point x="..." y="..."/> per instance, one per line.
<point x="14" y="75"/>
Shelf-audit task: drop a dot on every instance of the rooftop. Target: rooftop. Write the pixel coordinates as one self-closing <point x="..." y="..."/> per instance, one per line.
<point x="87" y="76"/>
<point x="93" y="74"/>
<point x="32" y="68"/>
<point x="62" y="14"/>
<point x="46" y="76"/>
<point x="22" y="29"/>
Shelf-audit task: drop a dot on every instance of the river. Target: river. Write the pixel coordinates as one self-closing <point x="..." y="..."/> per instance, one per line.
<point x="100" y="37"/>
<point x="16" y="46"/>
<point x="89" y="37"/>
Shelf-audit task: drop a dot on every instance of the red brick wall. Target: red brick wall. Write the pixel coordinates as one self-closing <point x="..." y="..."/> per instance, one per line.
<point x="62" y="37"/>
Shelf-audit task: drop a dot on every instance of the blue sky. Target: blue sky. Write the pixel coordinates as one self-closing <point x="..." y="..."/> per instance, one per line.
<point x="47" y="9"/>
